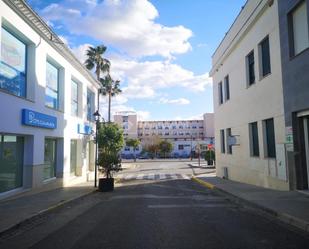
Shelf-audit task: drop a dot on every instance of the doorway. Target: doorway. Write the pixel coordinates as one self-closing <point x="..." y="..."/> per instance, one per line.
<point x="306" y="138"/>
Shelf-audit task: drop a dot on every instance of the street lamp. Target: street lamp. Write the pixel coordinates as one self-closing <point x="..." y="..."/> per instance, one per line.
<point x="97" y="121"/>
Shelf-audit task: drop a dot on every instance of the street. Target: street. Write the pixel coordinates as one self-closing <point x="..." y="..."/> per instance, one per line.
<point x="156" y="205"/>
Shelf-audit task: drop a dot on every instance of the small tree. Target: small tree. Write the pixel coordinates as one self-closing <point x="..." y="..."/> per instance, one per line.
<point x="134" y="143"/>
<point x="165" y="147"/>
<point x="110" y="140"/>
<point x="151" y="145"/>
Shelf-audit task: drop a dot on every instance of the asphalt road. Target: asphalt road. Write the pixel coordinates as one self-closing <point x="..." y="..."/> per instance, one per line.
<point x="156" y="213"/>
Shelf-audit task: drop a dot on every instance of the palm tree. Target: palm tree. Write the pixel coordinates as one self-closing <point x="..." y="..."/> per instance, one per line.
<point x="111" y="88"/>
<point x="95" y="60"/>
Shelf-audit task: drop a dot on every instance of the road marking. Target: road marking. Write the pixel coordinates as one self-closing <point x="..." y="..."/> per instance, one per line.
<point x="185" y="177"/>
<point x="163" y="176"/>
<point x="128" y="177"/>
<point x="140" y="176"/>
<point x="151" y="176"/>
<point x="173" y="176"/>
<point x="191" y="206"/>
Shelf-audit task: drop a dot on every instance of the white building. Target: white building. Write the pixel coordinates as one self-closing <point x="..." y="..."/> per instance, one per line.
<point x="184" y="134"/>
<point x="46" y="106"/>
<point x="248" y="99"/>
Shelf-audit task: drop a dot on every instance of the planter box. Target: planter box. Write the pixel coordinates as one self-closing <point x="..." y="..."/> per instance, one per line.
<point x="106" y="184"/>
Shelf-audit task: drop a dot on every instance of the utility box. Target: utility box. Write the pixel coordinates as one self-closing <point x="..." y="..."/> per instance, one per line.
<point x="281" y="162"/>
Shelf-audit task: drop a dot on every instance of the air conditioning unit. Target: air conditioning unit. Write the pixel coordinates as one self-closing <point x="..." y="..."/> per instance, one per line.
<point x="225" y="173"/>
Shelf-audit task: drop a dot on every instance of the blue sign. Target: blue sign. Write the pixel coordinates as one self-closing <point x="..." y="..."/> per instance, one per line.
<point x="38" y="119"/>
<point x="84" y="129"/>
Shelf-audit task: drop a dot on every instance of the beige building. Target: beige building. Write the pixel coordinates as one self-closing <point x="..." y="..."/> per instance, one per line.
<point x="248" y="100"/>
<point x="128" y="122"/>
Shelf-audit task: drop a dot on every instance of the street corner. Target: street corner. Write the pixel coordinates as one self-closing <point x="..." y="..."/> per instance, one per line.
<point x="203" y="183"/>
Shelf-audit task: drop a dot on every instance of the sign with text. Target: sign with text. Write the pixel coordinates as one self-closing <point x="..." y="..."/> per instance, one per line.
<point x="38" y="119"/>
<point x="84" y="129"/>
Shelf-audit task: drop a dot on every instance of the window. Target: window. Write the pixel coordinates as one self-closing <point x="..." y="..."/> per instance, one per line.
<point x="51" y="91"/>
<point x="125" y="119"/>
<point x="49" y="170"/>
<point x="180" y="147"/>
<point x="222" y="139"/>
<point x="74" y="98"/>
<point x="12" y="64"/>
<point x="90" y="105"/>
<point x="270" y="138"/>
<point x="299" y="29"/>
<point x="254" y="139"/>
<point x="227" y="88"/>
<point x="228" y="134"/>
<point x="11" y="162"/>
<point x="220" y="92"/>
<point x="250" y="68"/>
<point x="265" y="57"/>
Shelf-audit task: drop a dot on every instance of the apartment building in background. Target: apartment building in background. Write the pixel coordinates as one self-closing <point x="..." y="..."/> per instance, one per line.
<point x="250" y="129"/>
<point x="184" y="134"/>
<point x="47" y="99"/>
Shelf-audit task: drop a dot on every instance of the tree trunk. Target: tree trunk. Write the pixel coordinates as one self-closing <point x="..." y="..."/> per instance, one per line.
<point x="97" y="72"/>
<point x="109" y="106"/>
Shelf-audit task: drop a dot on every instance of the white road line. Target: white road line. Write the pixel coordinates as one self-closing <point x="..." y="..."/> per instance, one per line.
<point x="150" y="176"/>
<point x="173" y="176"/>
<point x="185" y="177"/>
<point x="163" y="176"/>
<point x="128" y="177"/>
<point x="140" y="176"/>
<point x="219" y="205"/>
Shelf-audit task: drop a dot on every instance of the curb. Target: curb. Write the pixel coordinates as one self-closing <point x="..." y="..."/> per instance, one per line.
<point x="203" y="183"/>
<point x="283" y="217"/>
<point x="41" y="213"/>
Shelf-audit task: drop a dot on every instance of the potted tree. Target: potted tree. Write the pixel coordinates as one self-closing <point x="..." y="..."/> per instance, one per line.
<point x="210" y="157"/>
<point x="110" y="140"/>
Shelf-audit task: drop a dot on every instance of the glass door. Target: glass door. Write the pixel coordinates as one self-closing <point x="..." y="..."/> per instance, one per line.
<point x="11" y="162"/>
<point x="73" y="157"/>
<point x="50" y="158"/>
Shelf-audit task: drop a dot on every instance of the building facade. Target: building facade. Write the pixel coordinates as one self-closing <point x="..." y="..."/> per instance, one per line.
<point x="184" y="134"/>
<point x="47" y="99"/>
<point x="248" y="100"/>
<point x="294" y="29"/>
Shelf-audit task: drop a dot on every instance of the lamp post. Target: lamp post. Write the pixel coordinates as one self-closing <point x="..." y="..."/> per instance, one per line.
<point x="97" y="120"/>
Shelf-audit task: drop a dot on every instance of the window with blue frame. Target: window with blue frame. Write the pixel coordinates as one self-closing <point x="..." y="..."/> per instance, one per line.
<point x="74" y="98"/>
<point x="90" y="105"/>
<point x="13" y="64"/>
<point x="52" y="86"/>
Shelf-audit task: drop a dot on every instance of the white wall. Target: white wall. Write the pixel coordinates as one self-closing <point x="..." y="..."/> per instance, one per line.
<point x="10" y="106"/>
<point x="258" y="102"/>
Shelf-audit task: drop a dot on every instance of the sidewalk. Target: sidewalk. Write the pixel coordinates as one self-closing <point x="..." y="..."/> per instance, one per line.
<point x="18" y="210"/>
<point x="291" y="207"/>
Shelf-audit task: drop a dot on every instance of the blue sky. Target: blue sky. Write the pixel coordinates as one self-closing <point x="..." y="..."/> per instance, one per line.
<point x="159" y="49"/>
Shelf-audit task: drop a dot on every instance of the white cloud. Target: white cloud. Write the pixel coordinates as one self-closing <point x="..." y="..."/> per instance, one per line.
<point x="80" y="51"/>
<point x="128" y="25"/>
<point x="180" y="101"/>
<point x="143" y="76"/>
